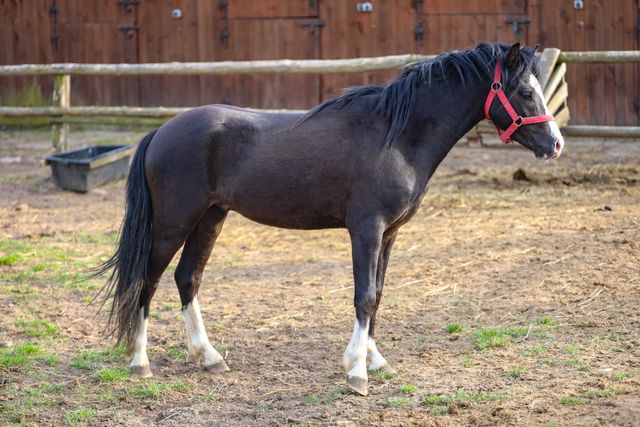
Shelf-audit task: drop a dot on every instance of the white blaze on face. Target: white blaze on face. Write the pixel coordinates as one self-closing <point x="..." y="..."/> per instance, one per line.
<point x="197" y="341"/>
<point x="553" y="126"/>
<point x="140" y="350"/>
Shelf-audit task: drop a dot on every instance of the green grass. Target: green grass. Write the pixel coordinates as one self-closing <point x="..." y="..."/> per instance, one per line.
<point x="467" y="362"/>
<point x="18" y="356"/>
<point x="37" y="328"/>
<point x="583" y="368"/>
<point x="535" y="350"/>
<point x="497" y="337"/>
<point x="453" y="328"/>
<point x="176" y="353"/>
<point x="112" y="375"/>
<point x="153" y="390"/>
<point x="80" y="415"/>
<point x="10" y="259"/>
<point x="571" y="362"/>
<point x="381" y="375"/>
<point x="586" y="395"/>
<point x="408" y="388"/>
<point x="545" y="320"/>
<point x="442" y="400"/>
<point x="397" y="402"/>
<point x="516" y="373"/>
<point x="325" y="398"/>
<point x="91" y="359"/>
<point x="620" y="377"/>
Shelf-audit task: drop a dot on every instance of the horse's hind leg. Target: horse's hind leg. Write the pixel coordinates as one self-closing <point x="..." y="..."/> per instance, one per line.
<point x="188" y="276"/>
<point x="375" y="359"/>
<point x="164" y="247"/>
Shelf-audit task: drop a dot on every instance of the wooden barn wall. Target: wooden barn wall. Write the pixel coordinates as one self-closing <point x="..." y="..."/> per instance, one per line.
<point x="41" y="31"/>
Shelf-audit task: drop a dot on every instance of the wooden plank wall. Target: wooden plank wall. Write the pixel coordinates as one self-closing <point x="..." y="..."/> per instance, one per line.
<point x="210" y="30"/>
<point x="598" y="93"/>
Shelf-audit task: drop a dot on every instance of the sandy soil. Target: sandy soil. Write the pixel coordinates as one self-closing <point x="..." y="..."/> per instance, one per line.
<point x="546" y="253"/>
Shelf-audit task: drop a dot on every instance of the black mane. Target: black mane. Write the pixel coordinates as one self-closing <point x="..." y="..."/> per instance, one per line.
<point x="397" y="98"/>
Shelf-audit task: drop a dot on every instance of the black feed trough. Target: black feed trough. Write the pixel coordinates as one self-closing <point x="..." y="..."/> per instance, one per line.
<point x="85" y="168"/>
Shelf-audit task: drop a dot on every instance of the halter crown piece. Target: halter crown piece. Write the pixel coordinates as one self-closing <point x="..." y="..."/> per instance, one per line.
<point x="516" y="119"/>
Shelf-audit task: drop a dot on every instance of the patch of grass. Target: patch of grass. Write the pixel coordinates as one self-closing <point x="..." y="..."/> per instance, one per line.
<point x="90" y="359"/>
<point x="535" y="350"/>
<point x="583" y="368"/>
<point x="442" y="402"/>
<point x="516" y="372"/>
<point x="37" y="328"/>
<point x="620" y="376"/>
<point x="10" y="259"/>
<point x="176" y="353"/>
<point x="570" y="349"/>
<point x="112" y="375"/>
<point x="408" y="388"/>
<point x="453" y="328"/>
<point x="382" y="376"/>
<point x="467" y="362"/>
<point x="497" y="337"/>
<point x="154" y="314"/>
<point x="582" y="397"/>
<point x="397" y="402"/>
<point x="325" y="398"/>
<point x="571" y="362"/>
<point x="18" y="356"/>
<point x="545" y="320"/>
<point x="153" y="390"/>
<point x="80" y="415"/>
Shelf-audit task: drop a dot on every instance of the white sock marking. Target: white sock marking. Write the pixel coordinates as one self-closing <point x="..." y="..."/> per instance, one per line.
<point x="376" y="361"/>
<point x="140" y="348"/>
<point x="197" y="341"/>
<point x="554" y="130"/>
<point x="355" y="356"/>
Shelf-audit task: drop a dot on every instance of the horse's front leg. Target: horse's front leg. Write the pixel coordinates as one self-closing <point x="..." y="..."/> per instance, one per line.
<point x="366" y="242"/>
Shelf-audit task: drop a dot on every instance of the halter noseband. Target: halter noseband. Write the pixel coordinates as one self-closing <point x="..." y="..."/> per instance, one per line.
<point x="516" y="119"/>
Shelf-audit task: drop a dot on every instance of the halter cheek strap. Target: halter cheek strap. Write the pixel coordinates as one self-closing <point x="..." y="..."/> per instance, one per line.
<point x="516" y="119"/>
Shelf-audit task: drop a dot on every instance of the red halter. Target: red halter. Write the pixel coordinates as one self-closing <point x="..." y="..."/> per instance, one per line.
<point x="517" y="120"/>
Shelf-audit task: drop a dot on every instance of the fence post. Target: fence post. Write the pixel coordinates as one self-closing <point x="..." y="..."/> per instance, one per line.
<point x="61" y="98"/>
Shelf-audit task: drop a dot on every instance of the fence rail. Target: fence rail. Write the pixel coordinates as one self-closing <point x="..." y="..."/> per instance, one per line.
<point x="62" y="113"/>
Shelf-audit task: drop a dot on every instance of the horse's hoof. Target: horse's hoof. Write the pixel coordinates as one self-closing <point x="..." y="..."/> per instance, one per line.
<point x="386" y="369"/>
<point x="220" y="366"/>
<point x="141" y="371"/>
<point x="357" y="384"/>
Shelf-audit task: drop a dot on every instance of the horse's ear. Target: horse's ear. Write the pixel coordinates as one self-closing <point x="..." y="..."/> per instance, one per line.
<point x="536" y="48"/>
<point x="513" y="56"/>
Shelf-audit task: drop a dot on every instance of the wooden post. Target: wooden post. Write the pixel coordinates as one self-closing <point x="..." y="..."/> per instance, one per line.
<point x="61" y="98"/>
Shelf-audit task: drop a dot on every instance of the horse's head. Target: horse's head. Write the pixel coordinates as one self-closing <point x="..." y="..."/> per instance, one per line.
<point x="516" y="105"/>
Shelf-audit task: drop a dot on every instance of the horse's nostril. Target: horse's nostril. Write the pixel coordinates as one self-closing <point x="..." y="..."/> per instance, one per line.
<point x="558" y="145"/>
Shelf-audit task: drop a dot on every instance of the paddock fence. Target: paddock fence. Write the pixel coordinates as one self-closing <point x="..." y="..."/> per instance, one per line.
<point x="62" y="113"/>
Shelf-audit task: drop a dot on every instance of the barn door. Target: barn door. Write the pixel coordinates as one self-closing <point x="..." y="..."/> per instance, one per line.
<point x="271" y="29"/>
<point x="96" y="32"/>
<point x="455" y="24"/>
<point x="599" y="94"/>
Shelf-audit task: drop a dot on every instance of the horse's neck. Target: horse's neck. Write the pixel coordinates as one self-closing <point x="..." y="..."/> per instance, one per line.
<point x="444" y="113"/>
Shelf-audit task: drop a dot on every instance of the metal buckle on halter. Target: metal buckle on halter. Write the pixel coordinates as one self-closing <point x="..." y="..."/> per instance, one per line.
<point x="518" y="121"/>
<point x="496" y="86"/>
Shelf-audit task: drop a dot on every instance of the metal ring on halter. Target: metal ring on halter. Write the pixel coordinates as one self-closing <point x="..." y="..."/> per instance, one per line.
<point x="496" y="86"/>
<point x="518" y="121"/>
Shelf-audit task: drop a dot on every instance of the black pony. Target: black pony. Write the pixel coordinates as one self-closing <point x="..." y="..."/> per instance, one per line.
<point x="360" y="161"/>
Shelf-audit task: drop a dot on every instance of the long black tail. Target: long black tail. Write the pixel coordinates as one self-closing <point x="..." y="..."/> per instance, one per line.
<point x="128" y="265"/>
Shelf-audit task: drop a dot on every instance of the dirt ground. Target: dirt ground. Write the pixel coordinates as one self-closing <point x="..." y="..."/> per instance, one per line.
<point x="512" y="298"/>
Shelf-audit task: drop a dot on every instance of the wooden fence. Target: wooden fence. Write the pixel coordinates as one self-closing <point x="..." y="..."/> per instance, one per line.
<point x="62" y="113"/>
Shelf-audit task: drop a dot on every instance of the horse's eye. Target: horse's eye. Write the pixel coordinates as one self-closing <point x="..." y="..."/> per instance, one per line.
<point x="526" y="94"/>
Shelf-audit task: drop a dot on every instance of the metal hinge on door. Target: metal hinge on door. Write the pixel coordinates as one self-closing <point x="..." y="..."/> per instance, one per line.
<point x="53" y="13"/>
<point x="126" y="6"/>
<point x="313" y="25"/>
<point x="516" y="25"/>
<point x="129" y="30"/>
